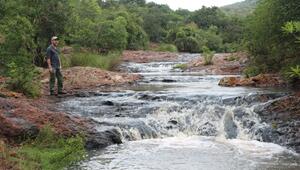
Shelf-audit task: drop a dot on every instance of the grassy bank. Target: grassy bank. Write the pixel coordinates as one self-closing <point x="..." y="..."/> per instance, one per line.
<point x="47" y="152"/>
<point x="104" y="61"/>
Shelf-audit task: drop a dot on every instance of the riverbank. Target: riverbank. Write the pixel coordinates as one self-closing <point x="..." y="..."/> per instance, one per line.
<point x="23" y="118"/>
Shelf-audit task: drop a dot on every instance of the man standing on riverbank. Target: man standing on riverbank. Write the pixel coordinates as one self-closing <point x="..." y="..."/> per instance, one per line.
<point x="54" y="66"/>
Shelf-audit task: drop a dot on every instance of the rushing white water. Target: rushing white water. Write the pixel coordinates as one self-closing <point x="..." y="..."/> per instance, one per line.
<point x="192" y="153"/>
<point x="174" y="120"/>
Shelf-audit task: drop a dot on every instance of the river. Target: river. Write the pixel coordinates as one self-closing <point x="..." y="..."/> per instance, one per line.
<point x="183" y="121"/>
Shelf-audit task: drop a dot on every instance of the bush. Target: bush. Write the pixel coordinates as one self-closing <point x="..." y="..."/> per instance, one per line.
<point x="50" y="151"/>
<point x="106" y="62"/>
<point x="252" y="71"/>
<point x="166" y="48"/>
<point x="23" y="79"/>
<point x="208" y="55"/>
<point x="268" y="43"/>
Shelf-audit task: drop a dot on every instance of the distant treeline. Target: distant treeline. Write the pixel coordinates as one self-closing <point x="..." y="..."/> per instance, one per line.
<point x="113" y="25"/>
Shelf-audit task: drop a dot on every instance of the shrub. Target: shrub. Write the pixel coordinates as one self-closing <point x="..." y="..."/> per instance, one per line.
<point x="251" y="71"/>
<point x="166" y="48"/>
<point x="24" y="79"/>
<point x="106" y="62"/>
<point x="208" y="55"/>
<point x="293" y="74"/>
<point x="50" y="151"/>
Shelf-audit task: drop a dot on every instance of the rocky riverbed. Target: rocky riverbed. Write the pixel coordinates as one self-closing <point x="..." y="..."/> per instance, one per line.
<point x="159" y="101"/>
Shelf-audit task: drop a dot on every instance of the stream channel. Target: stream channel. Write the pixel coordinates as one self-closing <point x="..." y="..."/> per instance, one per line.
<point x="175" y="120"/>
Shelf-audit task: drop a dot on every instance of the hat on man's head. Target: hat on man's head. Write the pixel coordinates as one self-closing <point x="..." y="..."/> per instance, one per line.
<point x="54" y="38"/>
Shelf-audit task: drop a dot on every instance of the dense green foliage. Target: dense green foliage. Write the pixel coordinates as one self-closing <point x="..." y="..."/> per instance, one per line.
<point x="272" y="48"/>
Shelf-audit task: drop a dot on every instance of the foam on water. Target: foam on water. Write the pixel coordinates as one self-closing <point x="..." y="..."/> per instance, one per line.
<point x="193" y="153"/>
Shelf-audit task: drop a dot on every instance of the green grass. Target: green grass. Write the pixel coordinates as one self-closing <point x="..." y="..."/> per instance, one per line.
<point x="181" y="66"/>
<point x="166" y="48"/>
<point x="106" y="62"/>
<point x="50" y="152"/>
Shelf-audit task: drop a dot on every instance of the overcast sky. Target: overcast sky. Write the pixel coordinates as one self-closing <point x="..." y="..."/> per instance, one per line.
<point x="193" y="4"/>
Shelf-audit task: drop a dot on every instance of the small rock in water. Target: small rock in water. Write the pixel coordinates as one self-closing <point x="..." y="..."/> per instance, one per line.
<point x="108" y="103"/>
<point x="174" y="122"/>
<point x="207" y="129"/>
<point x="82" y="94"/>
<point x="168" y="80"/>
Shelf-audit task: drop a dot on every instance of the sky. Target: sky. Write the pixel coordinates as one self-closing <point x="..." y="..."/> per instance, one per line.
<point x="193" y="4"/>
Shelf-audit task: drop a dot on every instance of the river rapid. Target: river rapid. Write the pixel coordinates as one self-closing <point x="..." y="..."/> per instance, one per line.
<point x="184" y="121"/>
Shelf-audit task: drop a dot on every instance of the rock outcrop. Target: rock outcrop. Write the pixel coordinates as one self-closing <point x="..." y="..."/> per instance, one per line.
<point x="21" y="119"/>
<point x="283" y="115"/>
<point x="262" y="80"/>
<point x="223" y="64"/>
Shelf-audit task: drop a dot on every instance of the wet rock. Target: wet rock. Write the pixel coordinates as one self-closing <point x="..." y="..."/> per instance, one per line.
<point x="239" y="113"/>
<point x="102" y="139"/>
<point x="207" y="129"/>
<point x="107" y="103"/>
<point x="83" y="94"/>
<point x="147" y="97"/>
<point x="283" y="115"/>
<point x="173" y="122"/>
<point x="168" y="81"/>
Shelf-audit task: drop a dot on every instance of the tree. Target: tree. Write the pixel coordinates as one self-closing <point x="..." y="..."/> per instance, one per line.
<point x="82" y="25"/>
<point x="112" y="35"/>
<point x="206" y="17"/>
<point x="272" y="49"/>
